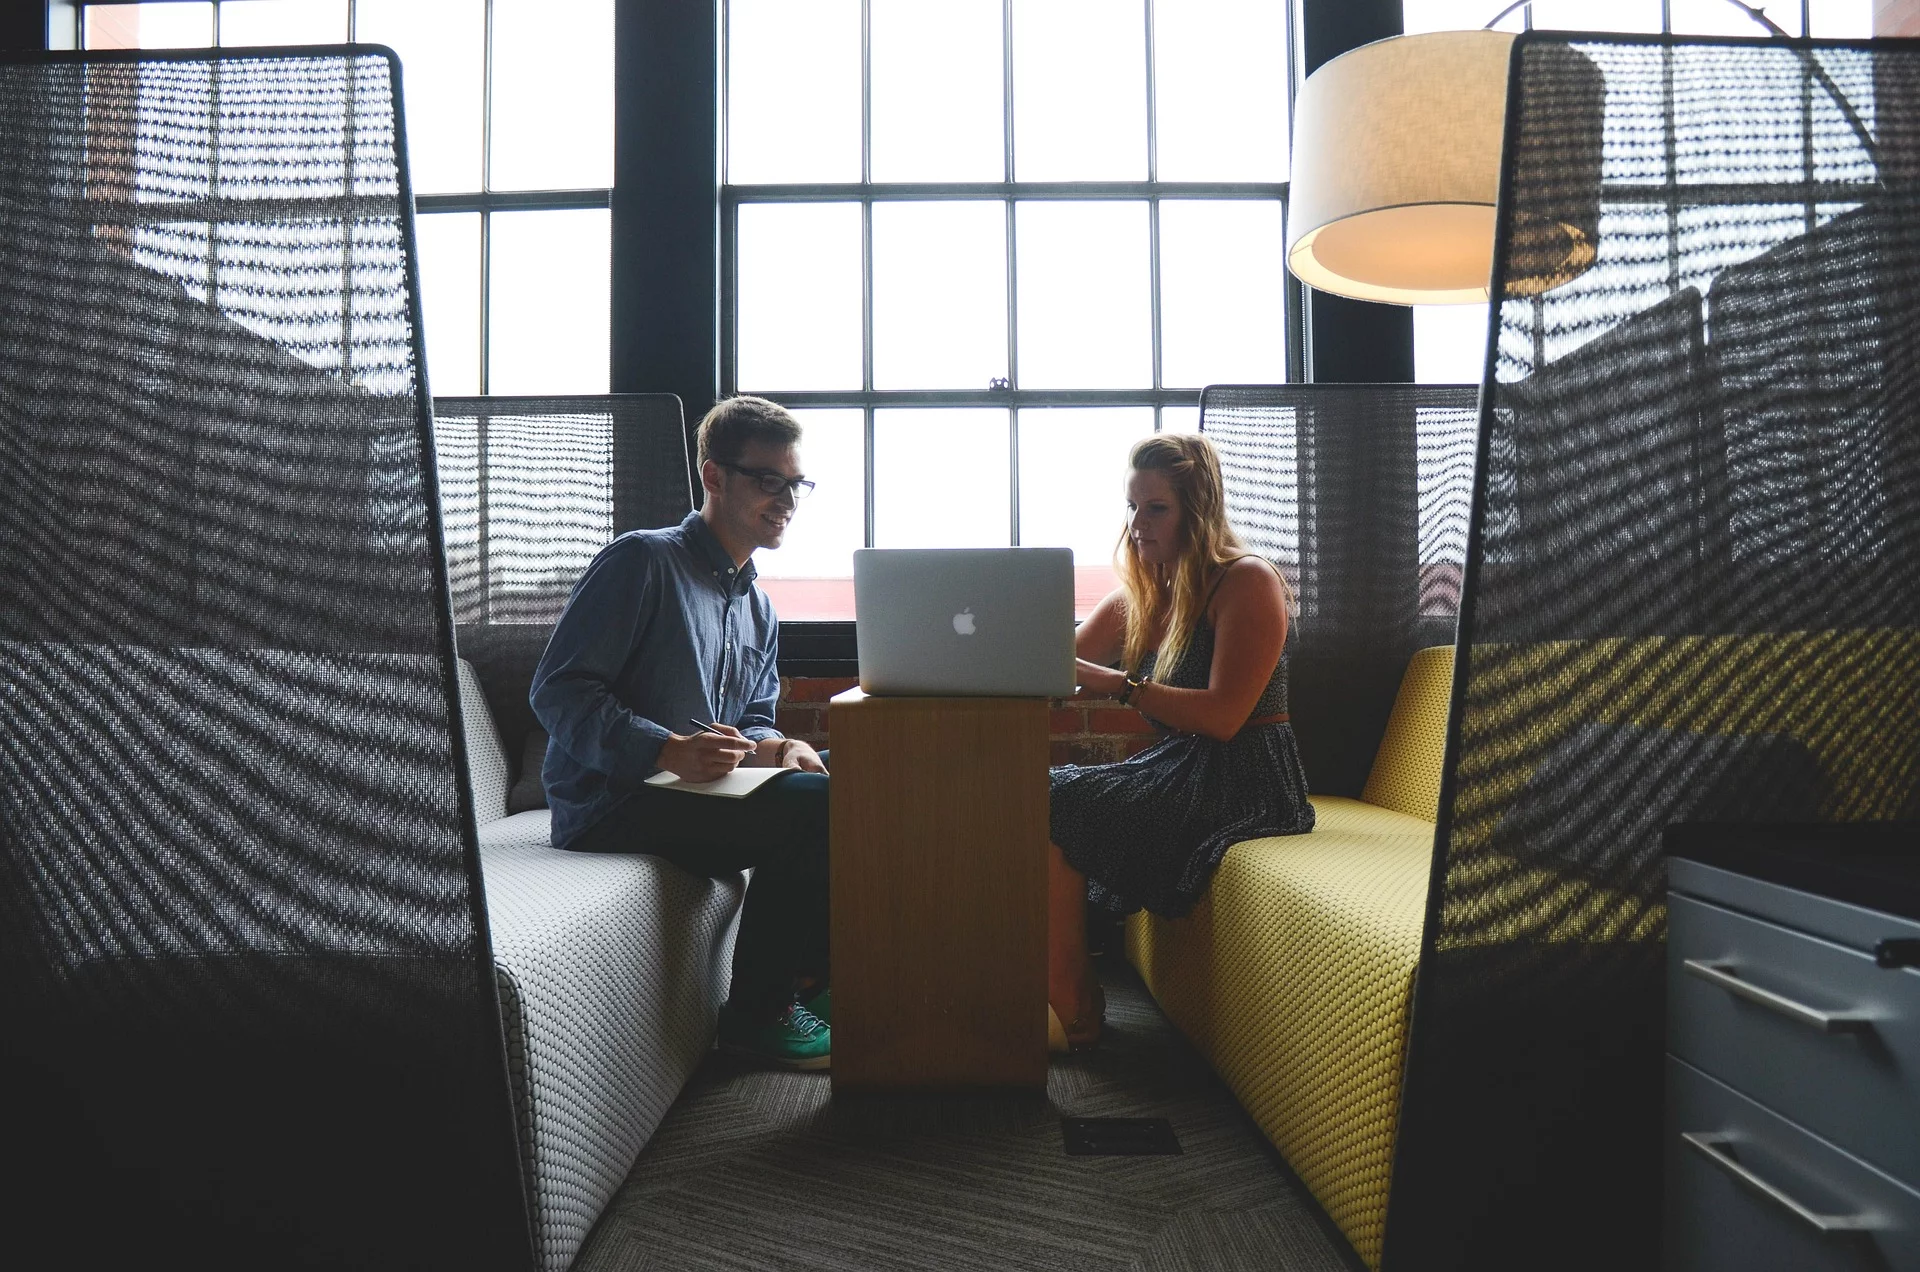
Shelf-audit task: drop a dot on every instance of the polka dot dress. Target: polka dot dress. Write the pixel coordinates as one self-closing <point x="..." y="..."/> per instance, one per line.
<point x="1150" y="831"/>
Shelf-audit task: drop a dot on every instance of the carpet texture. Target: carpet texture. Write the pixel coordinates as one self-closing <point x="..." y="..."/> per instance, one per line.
<point x="755" y="1170"/>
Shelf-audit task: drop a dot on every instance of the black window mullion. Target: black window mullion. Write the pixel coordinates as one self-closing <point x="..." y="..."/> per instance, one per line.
<point x="1153" y="205"/>
<point x="866" y="295"/>
<point x="866" y="424"/>
<point x="866" y="196"/>
<point x="1013" y="475"/>
<point x="486" y="213"/>
<point x="1012" y="271"/>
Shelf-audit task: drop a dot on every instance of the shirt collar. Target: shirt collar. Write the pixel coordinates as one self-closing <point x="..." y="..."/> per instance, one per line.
<point x="705" y="546"/>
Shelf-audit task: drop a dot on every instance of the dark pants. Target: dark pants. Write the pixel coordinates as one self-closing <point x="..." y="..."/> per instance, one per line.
<point x="780" y="831"/>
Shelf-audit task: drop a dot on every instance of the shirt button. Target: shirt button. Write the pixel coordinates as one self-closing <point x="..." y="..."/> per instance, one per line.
<point x="729" y="569"/>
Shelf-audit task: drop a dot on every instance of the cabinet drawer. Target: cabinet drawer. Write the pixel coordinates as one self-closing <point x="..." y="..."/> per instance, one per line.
<point x="1747" y="1191"/>
<point x="1734" y="985"/>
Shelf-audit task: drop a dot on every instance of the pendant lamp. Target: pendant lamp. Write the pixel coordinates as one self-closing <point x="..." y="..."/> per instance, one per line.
<point x="1396" y="171"/>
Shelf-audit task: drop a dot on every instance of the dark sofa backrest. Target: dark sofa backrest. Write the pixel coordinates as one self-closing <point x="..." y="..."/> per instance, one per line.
<point x="532" y="488"/>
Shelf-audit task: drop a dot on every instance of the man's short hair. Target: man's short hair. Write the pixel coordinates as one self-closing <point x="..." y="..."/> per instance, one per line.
<point x="738" y="422"/>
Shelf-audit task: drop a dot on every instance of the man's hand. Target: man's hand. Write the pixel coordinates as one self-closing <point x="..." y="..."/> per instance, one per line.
<point x="803" y="757"/>
<point x="704" y="757"/>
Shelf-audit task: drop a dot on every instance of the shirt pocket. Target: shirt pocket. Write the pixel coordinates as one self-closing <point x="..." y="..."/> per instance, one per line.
<point x="748" y="668"/>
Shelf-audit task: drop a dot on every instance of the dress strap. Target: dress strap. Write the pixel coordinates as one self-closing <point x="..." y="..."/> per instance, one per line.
<point x="1246" y="556"/>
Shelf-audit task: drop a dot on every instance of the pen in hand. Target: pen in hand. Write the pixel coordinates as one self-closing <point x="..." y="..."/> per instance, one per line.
<point x="716" y="731"/>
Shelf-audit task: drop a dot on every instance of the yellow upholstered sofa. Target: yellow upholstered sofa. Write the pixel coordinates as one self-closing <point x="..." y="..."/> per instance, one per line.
<point x="1294" y="975"/>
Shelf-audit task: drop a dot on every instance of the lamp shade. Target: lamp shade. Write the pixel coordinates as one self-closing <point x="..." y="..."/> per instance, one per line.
<point x="1396" y="173"/>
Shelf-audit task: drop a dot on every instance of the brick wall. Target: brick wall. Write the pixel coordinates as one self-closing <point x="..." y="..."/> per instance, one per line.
<point x="1089" y="731"/>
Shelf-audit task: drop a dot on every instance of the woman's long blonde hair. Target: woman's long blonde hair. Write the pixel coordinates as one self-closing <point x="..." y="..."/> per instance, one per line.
<point x="1171" y="598"/>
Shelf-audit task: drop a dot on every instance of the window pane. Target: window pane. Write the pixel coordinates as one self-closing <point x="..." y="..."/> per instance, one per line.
<point x="1449" y="343"/>
<point x="798" y="323"/>
<point x="1079" y="90"/>
<point x="1179" y="419"/>
<point x="937" y="91"/>
<point x="940" y="479"/>
<point x="1220" y="90"/>
<point x="939" y="295"/>
<point x="552" y="95"/>
<point x="1223" y="308"/>
<point x="1073" y="480"/>
<point x="442" y="48"/>
<point x="245" y="23"/>
<point x="793" y="90"/>
<point x="1084" y="313"/>
<point x="1456" y="15"/>
<point x="811" y="575"/>
<point x="547" y="307"/>
<point x="1584" y="15"/>
<point x="1839" y="19"/>
<point x="149" y="26"/>
<point x="1717" y="17"/>
<point x="450" y="298"/>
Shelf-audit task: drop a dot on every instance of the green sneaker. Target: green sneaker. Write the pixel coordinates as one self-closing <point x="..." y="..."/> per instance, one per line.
<point x="821" y="1006"/>
<point x="797" y="1040"/>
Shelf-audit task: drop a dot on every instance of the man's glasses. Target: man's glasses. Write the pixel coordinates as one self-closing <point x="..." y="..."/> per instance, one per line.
<point x="772" y="483"/>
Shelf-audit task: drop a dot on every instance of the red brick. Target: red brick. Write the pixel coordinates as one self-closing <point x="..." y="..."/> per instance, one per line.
<point x="1085" y="751"/>
<point x="1134" y="746"/>
<point x="815" y="688"/>
<point x="1066" y="720"/>
<point x="799" y="722"/>
<point x="1121" y="721"/>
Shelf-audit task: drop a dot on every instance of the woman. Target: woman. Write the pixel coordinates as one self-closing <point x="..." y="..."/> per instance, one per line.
<point x="1197" y="629"/>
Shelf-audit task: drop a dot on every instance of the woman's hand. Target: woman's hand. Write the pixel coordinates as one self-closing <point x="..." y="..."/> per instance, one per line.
<point x="703" y="757"/>
<point x="1097" y="681"/>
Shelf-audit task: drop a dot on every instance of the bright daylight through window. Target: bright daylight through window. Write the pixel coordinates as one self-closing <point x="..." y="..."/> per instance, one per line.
<point x="510" y="143"/>
<point x="1450" y="341"/>
<point x="983" y="259"/>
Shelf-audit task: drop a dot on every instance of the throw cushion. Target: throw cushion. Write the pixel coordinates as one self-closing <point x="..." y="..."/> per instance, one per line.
<point x="529" y="792"/>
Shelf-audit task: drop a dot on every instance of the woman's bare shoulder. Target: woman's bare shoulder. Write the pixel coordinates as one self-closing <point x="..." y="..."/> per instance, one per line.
<point x="1251" y="581"/>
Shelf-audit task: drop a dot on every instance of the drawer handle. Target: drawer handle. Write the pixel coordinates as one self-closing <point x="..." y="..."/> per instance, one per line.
<point x="1825" y="1021"/>
<point x="1712" y="1146"/>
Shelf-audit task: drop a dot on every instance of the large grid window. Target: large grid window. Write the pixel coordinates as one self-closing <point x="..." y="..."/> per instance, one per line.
<point x="509" y="109"/>
<point x="1450" y="341"/>
<point x="982" y="246"/>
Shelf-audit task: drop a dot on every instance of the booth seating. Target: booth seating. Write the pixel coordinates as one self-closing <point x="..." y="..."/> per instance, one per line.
<point x="1294" y="976"/>
<point x="611" y="970"/>
<point x="1677" y="557"/>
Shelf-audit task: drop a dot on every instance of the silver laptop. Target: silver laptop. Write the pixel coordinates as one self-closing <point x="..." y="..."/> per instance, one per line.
<point x="987" y="622"/>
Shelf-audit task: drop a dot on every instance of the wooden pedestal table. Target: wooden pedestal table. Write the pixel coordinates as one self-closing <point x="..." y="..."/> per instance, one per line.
<point x="939" y="827"/>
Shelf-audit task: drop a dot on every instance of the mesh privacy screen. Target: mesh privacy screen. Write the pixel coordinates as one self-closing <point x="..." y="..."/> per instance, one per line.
<point x="1692" y="591"/>
<point x="531" y="488"/>
<point x="1360" y="493"/>
<point x="248" y="992"/>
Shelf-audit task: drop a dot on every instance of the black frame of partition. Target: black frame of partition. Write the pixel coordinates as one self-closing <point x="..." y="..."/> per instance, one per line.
<point x="504" y="1237"/>
<point x="485" y="201"/>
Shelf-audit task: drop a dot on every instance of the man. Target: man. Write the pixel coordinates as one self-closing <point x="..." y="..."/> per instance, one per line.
<point x="664" y="633"/>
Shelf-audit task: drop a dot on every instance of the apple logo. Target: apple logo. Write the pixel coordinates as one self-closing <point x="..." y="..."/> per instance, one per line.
<point x="963" y="621"/>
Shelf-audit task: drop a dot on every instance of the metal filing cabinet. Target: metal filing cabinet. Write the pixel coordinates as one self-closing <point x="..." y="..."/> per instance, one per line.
<point x="1793" y="1049"/>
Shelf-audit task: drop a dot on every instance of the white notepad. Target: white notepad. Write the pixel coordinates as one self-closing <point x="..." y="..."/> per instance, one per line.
<point x="735" y="785"/>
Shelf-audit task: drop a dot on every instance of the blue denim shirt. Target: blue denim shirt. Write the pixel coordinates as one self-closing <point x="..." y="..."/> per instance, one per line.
<point x="661" y="630"/>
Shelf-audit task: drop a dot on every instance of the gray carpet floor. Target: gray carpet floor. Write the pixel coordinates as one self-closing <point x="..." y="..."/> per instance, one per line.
<point x="755" y="1169"/>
